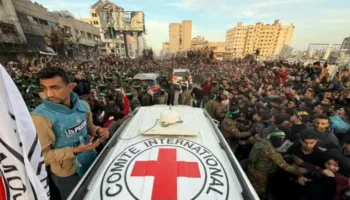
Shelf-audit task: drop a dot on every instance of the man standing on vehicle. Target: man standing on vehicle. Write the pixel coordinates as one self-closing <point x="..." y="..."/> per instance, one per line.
<point x="64" y="124"/>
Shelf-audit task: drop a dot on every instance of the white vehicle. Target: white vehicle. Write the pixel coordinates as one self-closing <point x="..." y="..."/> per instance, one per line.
<point x="180" y="76"/>
<point x="151" y="79"/>
<point x="166" y="153"/>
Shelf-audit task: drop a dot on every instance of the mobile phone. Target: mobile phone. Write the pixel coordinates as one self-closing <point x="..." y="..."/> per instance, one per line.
<point x="118" y="90"/>
<point x="94" y="139"/>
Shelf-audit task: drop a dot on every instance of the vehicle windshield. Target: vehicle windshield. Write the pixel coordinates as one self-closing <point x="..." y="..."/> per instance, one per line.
<point x="140" y="82"/>
<point x="181" y="74"/>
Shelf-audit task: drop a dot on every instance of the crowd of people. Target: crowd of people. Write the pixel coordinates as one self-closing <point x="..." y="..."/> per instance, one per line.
<point x="288" y="124"/>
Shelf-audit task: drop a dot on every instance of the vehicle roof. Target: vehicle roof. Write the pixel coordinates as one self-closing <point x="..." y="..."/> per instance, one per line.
<point x="181" y="70"/>
<point x="146" y="76"/>
<point x="129" y="168"/>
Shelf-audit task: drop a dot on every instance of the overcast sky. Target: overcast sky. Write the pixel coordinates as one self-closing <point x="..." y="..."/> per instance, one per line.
<point x="316" y="21"/>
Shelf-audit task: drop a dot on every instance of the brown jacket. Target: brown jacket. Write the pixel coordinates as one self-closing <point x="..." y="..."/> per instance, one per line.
<point x="60" y="160"/>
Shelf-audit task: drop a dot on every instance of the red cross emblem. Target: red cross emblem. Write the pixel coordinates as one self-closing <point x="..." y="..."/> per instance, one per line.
<point x="165" y="171"/>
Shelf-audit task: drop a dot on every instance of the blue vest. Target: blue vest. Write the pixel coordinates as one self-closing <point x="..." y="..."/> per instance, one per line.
<point x="70" y="128"/>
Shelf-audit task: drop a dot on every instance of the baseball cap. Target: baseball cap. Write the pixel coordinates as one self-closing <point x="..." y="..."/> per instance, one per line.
<point x="303" y="115"/>
<point x="225" y="93"/>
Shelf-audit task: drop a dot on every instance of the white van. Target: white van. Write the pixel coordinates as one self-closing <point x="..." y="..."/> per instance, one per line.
<point x="180" y="76"/>
<point x="166" y="153"/>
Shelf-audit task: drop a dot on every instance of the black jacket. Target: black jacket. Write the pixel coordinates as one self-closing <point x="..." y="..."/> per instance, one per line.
<point x="147" y="100"/>
<point x="83" y="87"/>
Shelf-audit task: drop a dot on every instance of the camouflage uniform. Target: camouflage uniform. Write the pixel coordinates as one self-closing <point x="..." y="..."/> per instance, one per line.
<point x="263" y="159"/>
<point x="227" y="127"/>
<point x="219" y="112"/>
<point x="209" y="107"/>
<point x="229" y="131"/>
<point x="215" y="90"/>
<point x="163" y="99"/>
<point x="135" y="102"/>
<point x="134" y="92"/>
<point x="185" y="98"/>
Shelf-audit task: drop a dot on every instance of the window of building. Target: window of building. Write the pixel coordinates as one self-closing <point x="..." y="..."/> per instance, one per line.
<point x="96" y="37"/>
<point x="76" y="32"/>
<point x="43" y="23"/>
<point x="0" y="2"/>
<point x="52" y="24"/>
<point x="94" y="14"/>
<point x="8" y="28"/>
<point x="82" y="34"/>
<point x="67" y="30"/>
<point x="89" y="36"/>
<point x="95" y="22"/>
<point x="22" y="18"/>
<point x="33" y="21"/>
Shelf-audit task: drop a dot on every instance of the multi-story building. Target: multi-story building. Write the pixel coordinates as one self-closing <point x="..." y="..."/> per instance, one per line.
<point x="344" y="53"/>
<point x="83" y="34"/>
<point x="136" y="41"/>
<point x="198" y="42"/>
<point x="165" y="49"/>
<point x="219" y="49"/>
<point x="35" y="26"/>
<point x="12" y="39"/>
<point x="180" y="36"/>
<point x="268" y="38"/>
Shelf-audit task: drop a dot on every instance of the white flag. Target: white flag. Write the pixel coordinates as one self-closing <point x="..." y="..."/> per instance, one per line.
<point x="21" y="163"/>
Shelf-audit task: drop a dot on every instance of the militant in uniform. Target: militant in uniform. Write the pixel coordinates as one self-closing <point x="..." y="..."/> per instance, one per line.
<point x="264" y="158"/>
<point x="185" y="96"/>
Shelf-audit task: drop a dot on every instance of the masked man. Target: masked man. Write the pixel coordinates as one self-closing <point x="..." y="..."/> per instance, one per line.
<point x="264" y="158"/>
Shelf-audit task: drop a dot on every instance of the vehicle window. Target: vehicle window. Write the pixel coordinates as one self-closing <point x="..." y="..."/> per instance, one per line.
<point x="181" y="74"/>
<point x="140" y="82"/>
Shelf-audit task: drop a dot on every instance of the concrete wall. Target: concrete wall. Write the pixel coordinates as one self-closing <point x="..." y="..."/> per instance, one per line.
<point x="8" y="16"/>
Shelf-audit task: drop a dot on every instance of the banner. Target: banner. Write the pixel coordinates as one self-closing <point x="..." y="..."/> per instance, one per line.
<point x="22" y="167"/>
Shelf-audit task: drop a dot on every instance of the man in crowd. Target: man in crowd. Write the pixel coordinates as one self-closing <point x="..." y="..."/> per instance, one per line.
<point x="298" y="120"/>
<point x="300" y="186"/>
<point x="64" y="126"/>
<point x="325" y="135"/>
<point x="184" y="96"/>
<point x="206" y="87"/>
<point x="82" y="85"/>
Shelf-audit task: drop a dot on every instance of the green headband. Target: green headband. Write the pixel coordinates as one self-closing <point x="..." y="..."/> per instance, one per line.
<point x="235" y="112"/>
<point x="230" y="114"/>
<point x="278" y="134"/>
